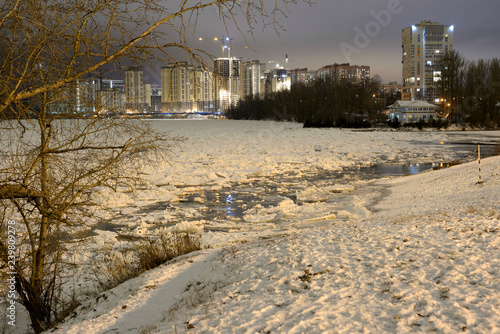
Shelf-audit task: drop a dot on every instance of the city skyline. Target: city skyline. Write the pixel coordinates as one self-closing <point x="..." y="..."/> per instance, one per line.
<point x="327" y="33"/>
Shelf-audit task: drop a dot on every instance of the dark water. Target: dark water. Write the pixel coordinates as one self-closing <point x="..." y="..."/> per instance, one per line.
<point x="464" y="152"/>
<point x="378" y="171"/>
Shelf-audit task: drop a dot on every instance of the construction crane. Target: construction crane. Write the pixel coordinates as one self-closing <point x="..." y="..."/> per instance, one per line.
<point x="226" y="44"/>
<point x="281" y="61"/>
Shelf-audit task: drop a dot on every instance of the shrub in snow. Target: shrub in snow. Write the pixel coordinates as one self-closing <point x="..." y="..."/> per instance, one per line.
<point x="142" y="255"/>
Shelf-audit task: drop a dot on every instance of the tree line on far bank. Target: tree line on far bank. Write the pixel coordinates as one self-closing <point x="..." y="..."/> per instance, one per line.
<point x="324" y="103"/>
<point x="470" y="90"/>
<point x="470" y="93"/>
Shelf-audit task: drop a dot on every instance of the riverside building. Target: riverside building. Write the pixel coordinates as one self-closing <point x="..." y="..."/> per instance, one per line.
<point x="423" y="45"/>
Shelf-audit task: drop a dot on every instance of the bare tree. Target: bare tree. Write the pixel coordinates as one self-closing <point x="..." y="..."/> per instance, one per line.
<point x="53" y="153"/>
<point x="451" y="66"/>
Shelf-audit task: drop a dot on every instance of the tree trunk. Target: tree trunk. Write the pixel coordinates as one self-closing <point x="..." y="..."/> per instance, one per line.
<point x="38" y="307"/>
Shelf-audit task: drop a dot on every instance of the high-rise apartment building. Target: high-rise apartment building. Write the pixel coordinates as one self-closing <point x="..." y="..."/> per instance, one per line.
<point x="278" y="80"/>
<point x="253" y="78"/>
<point x="227" y="79"/>
<point x="110" y="95"/>
<point x="302" y="76"/>
<point x="110" y="84"/>
<point x="76" y="97"/>
<point x="186" y="89"/>
<point x="135" y="90"/>
<point x="202" y="84"/>
<point x="423" y="45"/>
<point x="176" y="89"/>
<point x="109" y="101"/>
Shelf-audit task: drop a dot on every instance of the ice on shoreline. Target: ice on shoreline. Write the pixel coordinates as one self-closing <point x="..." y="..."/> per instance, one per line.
<point x="217" y="156"/>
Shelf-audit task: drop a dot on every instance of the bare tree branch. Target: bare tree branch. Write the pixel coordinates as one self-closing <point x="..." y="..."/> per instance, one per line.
<point x="52" y="162"/>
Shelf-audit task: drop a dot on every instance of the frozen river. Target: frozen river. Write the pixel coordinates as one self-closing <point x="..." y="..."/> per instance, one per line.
<point x="253" y="176"/>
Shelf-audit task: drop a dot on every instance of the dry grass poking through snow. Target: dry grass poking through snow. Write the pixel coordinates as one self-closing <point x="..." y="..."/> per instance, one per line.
<point x="144" y="255"/>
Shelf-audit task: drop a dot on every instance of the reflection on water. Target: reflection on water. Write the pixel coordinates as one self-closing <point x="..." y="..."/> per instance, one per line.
<point x="229" y="202"/>
<point x="395" y="170"/>
<point x="270" y="191"/>
<point x="405" y="169"/>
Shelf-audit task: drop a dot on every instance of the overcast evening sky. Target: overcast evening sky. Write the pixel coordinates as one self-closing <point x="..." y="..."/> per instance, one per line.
<point x="326" y="32"/>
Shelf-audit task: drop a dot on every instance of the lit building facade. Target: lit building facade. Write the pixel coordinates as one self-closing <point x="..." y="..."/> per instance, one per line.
<point x="391" y="87"/>
<point x="351" y="73"/>
<point x="302" y="76"/>
<point x="202" y="84"/>
<point x="89" y="96"/>
<point x="135" y="91"/>
<point x="110" y="101"/>
<point x="227" y="80"/>
<point x="278" y="80"/>
<point x="186" y="89"/>
<point x="413" y="111"/>
<point x="110" y="95"/>
<point x="423" y="45"/>
<point x="253" y="78"/>
<point x="110" y="84"/>
<point x="176" y="91"/>
<point x="76" y="97"/>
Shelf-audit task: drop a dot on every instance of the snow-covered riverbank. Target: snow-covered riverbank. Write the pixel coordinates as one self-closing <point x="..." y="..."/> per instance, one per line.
<point x="419" y="254"/>
<point x="296" y="240"/>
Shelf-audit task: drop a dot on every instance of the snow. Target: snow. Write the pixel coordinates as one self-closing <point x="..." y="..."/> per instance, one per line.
<point x="427" y="259"/>
<point x="147" y="296"/>
<point x="214" y="156"/>
<point x="328" y="252"/>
